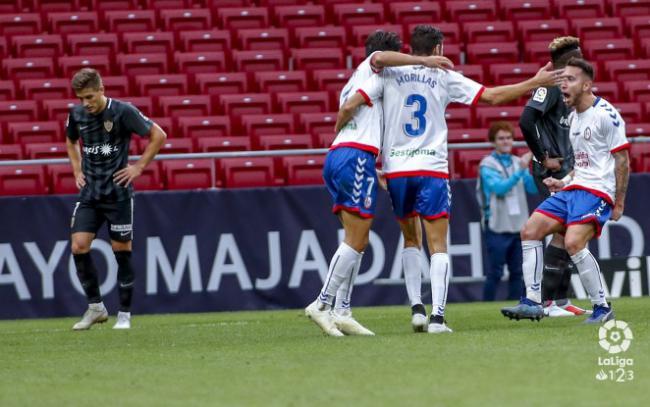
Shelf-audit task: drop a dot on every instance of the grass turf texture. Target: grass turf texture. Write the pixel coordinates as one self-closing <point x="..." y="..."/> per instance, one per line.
<point x="281" y="358"/>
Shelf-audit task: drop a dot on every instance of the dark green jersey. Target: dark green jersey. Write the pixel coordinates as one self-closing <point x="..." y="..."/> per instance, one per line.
<point x="105" y="141"/>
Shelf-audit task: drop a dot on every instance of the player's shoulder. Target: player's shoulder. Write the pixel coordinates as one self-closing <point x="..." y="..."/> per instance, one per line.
<point x="607" y="112"/>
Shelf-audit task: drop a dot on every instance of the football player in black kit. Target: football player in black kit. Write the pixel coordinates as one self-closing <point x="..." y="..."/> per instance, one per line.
<point x="544" y="123"/>
<point x="105" y="180"/>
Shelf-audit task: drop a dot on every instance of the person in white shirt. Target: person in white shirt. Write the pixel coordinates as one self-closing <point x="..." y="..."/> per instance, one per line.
<point x="415" y="154"/>
<point x="351" y="180"/>
<point x="588" y="197"/>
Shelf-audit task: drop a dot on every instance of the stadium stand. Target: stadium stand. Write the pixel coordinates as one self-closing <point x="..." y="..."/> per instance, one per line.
<point x="222" y="75"/>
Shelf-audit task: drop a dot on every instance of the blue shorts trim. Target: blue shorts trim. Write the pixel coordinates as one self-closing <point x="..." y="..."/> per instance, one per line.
<point x="351" y="179"/>
<point x="425" y="196"/>
<point x="574" y="207"/>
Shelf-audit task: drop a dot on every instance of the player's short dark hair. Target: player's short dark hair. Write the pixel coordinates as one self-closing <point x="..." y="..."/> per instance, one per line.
<point x="497" y="127"/>
<point x="86" y="78"/>
<point x="564" y="48"/>
<point x="425" y="38"/>
<point x="382" y="40"/>
<point x="585" y="66"/>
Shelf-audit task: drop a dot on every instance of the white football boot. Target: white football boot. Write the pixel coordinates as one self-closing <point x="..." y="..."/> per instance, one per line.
<point x="123" y="320"/>
<point x="437" y="325"/>
<point x="348" y="325"/>
<point x="317" y="312"/>
<point x="552" y="310"/>
<point x="419" y="318"/>
<point x="95" y="314"/>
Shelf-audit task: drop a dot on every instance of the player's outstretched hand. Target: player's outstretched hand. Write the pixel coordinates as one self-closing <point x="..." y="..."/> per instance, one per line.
<point x="547" y="76"/>
<point x="553" y="184"/>
<point x="617" y="212"/>
<point x="126" y="175"/>
<point x="437" y="61"/>
<point x="80" y="180"/>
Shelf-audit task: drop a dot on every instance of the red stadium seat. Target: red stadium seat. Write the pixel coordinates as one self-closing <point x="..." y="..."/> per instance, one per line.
<point x="640" y="157"/>
<point x="35" y="151"/>
<point x="631" y="112"/>
<point x="516" y="10"/>
<point x="637" y="91"/>
<point x="415" y="12"/>
<point x="104" y="5"/>
<point x="10" y="6"/>
<point x="4" y="48"/>
<point x="485" y="115"/>
<point x="245" y="17"/>
<point x="222" y="83"/>
<point x="361" y="32"/>
<point x="167" y="124"/>
<point x="304" y="170"/>
<point x="255" y="61"/>
<point x="463" y="11"/>
<point x="20" y="24"/>
<point x="303" y="102"/>
<point x="359" y="14"/>
<point x="28" y="68"/>
<point x="638" y="27"/>
<point x="31" y="46"/>
<point x="205" y="40"/>
<point x="321" y="37"/>
<point x="281" y="81"/>
<point x="628" y="70"/>
<point x="187" y="19"/>
<point x="188" y="174"/>
<point x="268" y="124"/>
<point x="56" y="5"/>
<point x="493" y="53"/>
<point x="638" y="130"/>
<point x="318" y="58"/>
<point x="467" y="135"/>
<point x="150" y="179"/>
<point x="219" y="144"/>
<point x="130" y="21"/>
<point x="18" y="111"/>
<point x="330" y="79"/>
<point x="247" y="172"/>
<point x="544" y="30"/>
<point x="206" y="126"/>
<point x="149" y="43"/>
<point x="200" y="62"/>
<point x="116" y="86"/>
<point x="34" y="132"/>
<point x="283" y="142"/>
<point x="607" y="90"/>
<point x="175" y="146"/>
<point x="93" y="44"/>
<point x="325" y="140"/>
<point x="264" y="38"/>
<point x="318" y="123"/>
<point x="144" y="104"/>
<point x="60" y="179"/>
<point x="609" y="49"/>
<point x="245" y="103"/>
<point x="41" y="89"/>
<point x="625" y="8"/>
<point x="165" y="4"/>
<point x="645" y="46"/>
<point x="537" y="51"/>
<point x="73" y="22"/>
<point x="162" y="85"/>
<point x="467" y="161"/>
<point x="580" y="8"/>
<point x="597" y="28"/>
<point x="58" y="109"/>
<point x="358" y="55"/>
<point x="11" y="152"/>
<point x="213" y="4"/>
<point x="505" y="74"/>
<point x="307" y="15"/>
<point x="7" y="90"/>
<point x="459" y="117"/>
<point x="492" y="31"/>
<point x="474" y="72"/>
<point x="142" y="64"/>
<point x="70" y="65"/>
<point x="22" y="180"/>
<point x="188" y="105"/>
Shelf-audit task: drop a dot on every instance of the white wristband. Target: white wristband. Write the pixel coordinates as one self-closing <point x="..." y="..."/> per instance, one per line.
<point x="567" y="180"/>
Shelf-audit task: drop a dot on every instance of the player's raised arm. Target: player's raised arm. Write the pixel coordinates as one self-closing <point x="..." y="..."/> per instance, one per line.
<point x="546" y="76"/>
<point x="371" y="90"/>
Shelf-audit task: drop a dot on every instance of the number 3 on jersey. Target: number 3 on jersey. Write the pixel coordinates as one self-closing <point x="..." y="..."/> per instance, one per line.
<point x="418" y="123"/>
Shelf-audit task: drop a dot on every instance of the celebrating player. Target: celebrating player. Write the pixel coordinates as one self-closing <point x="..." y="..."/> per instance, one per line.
<point x="545" y="125"/>
<point x="593" y="193"/>
<point x="351" y="179"/>
<point x="104" y="177"/>
<point x="415" y="152"/>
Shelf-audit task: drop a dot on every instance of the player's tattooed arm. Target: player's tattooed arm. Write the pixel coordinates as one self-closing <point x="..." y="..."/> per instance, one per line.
<point x="346" y="112"/>
<point x="545" y="77"/>
<point x="74" y="153"/>
<point x="622" y="171"/>
<point x="392" y="58"/>
<point x="126" y="175"/>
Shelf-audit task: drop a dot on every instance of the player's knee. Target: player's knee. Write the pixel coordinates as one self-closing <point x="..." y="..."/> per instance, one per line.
<point x="438" y="246"/>
<point x="120" y="246"/>
<point x="530" y="232"/>
<point x="574" y="244"/>
<point x="79" y="247"/>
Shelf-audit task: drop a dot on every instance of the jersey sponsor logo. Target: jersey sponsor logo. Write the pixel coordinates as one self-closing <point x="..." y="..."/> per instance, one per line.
<point x="412" y="152"/>
<point x="581" y="159"/>
<point x="540" y="95"/>
<point x="103" y="149"/>
<point x="123" y="229"/>
<point x="587" y="133"/>
<point x="108" y="125"/>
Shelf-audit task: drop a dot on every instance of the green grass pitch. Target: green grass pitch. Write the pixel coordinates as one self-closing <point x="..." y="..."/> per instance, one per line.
<point x="280" y="358"/>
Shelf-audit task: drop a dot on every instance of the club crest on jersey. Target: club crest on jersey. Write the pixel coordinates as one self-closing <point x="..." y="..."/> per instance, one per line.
<point x="587" y="133"/>
<point x="367" y="202"/>
<point x="540" y="95"/>
<point x="108" y="125"/>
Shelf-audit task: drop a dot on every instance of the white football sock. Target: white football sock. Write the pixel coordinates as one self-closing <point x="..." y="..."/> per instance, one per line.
<point x="439" y="271"/>
<point x="590" y="276"/>
<point x="533" y="265"/>
<point x="412" y="266"/>
<point x="344" y="293"/>
<point x="340" y="269"/>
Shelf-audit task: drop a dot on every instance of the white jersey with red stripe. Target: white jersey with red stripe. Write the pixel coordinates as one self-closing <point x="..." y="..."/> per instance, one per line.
<point x="596" y="134"/>
<point x="364" y="130"/>
<point x="415" y="131"/>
